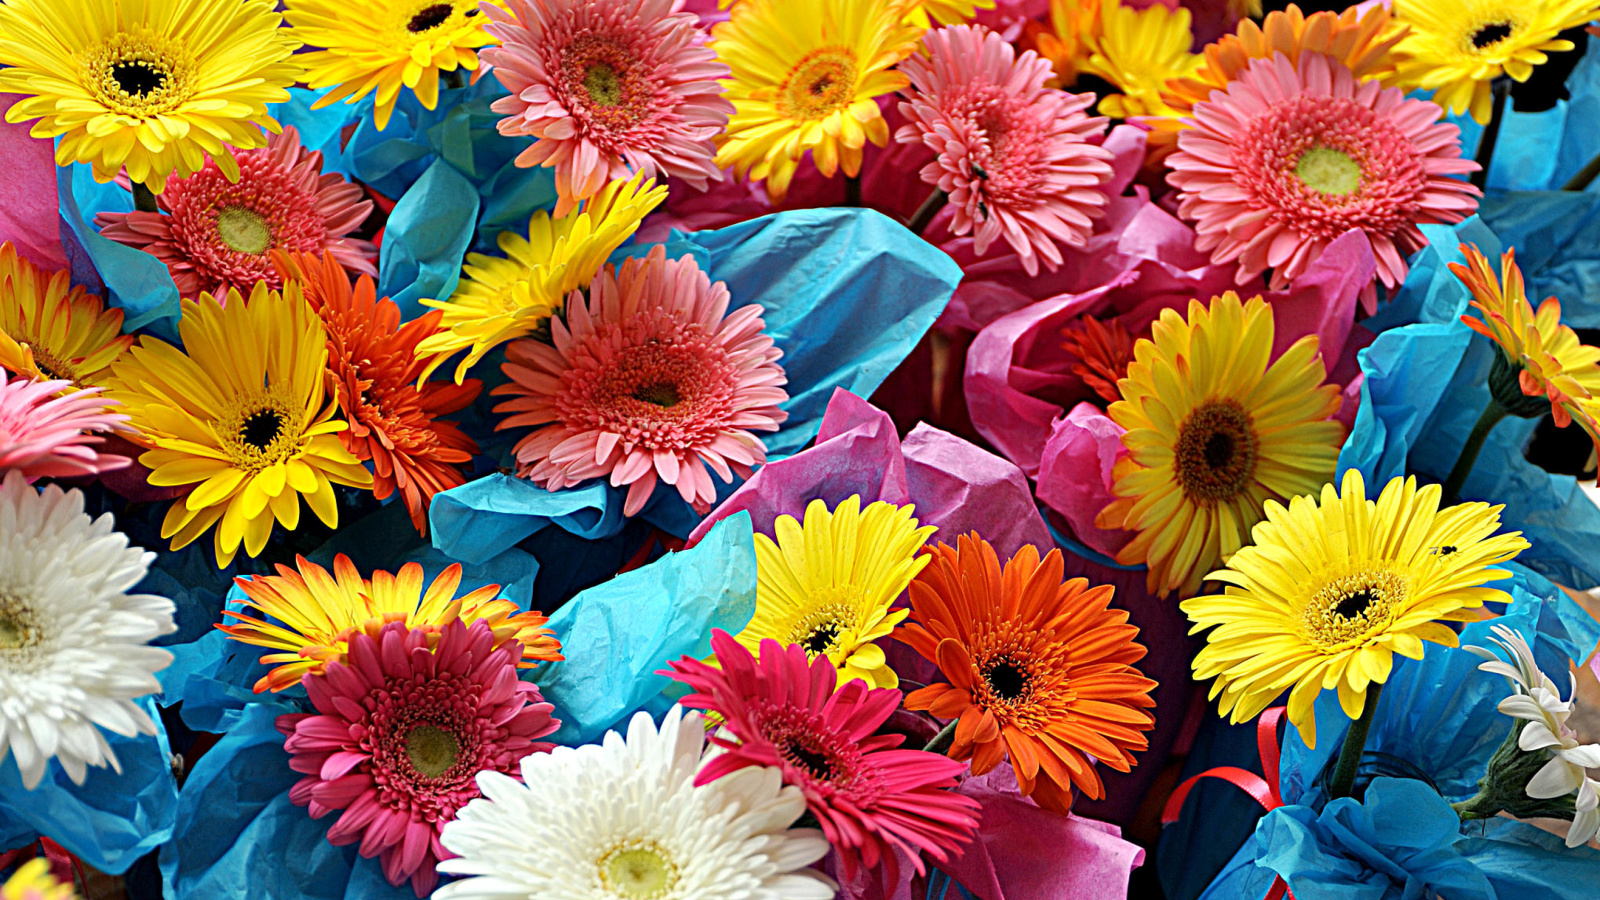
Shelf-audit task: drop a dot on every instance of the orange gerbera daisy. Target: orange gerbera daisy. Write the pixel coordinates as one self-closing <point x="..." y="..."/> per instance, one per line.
<point x="51" y="330"/>
<point x="320" y="613"/>
<point x="1039" y="671"/>
<point x="373" y="371"/>
<point x="1362" y="40"/>
<point x="1103" y="349"/>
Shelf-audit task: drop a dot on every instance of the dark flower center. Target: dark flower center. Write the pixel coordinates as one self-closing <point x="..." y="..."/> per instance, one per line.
<point x="1491" y="34"/>
<point x="815" y="762"/>
<point x="1355" y="604"/>
<point x="431" y="17"/>
<point x="1006" y="679"/>
<point x="661" y="393"/>
<point x="432" y="750"/>
<point x="261" y="428"/>
<point x="603" y="84"/>
<point x="138" y="78"/>
<point x="1216" y="452"/>
<point x="821" y="639"/>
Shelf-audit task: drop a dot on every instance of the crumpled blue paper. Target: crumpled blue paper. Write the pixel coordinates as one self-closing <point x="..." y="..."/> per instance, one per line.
<point x="616" y="635"/>
<point x="111" y="819"/>
<point x="847" y="293"/>
<point x="1539" y="151"/>
<point x="1426" y="384"/>
<point x="239" y="837"/>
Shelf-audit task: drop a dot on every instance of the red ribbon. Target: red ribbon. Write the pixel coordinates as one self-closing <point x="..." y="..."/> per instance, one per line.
<point x="64" y="866"/>
<point x="1264" y="790"/>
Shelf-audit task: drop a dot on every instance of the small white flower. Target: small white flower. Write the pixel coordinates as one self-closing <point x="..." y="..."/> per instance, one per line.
<point x="73" y="651"/>
<point x="623" y="820"/>
<point x="1538" y="702"/>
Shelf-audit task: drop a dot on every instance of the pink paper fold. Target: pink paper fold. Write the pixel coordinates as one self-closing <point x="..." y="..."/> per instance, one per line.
<point x="30" y="217"/>
<point x="1075" y="474"/>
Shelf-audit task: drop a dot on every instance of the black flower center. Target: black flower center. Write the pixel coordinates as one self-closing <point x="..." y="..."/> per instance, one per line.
<point x="815" y="762"/>
<point x="1219" y="450"/>
<point x="1491" y="34"/>
<point x="1006" y="679"/>
<point x="821" y="639"/>
<point x="261" y="428"/>
<point x="1353" y="605"/>
<point x="661" y="393"/>
<point x="821" y="85"/>
<point x="1215" y="455"/>
<point x="138" y="78"/>
<point x="431" y="17"/>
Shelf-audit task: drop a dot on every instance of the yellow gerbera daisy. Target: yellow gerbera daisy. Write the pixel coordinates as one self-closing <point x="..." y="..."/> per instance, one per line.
<point x="828" y="584"/>
<point x="1362" y="40"/>
<point x="50" y="329"/>
<point x="1074" y="25"/>
<point x="1455" y="48"/>
<point x="320" y="612"/>
<point x="1213" y="432"/>
<point x="506" y="298"/>
<point x="806" y="75"/>
<point x="1139" y="51"/>
<point x="383" y="45"/>
<point x="924" y="13"/>
<point x="32" y="881"/>
<point x="240" y="413"/>
<point x="1329" y="592"/>
<point x="154" y="85"/>
<point x="1543" y="359"/>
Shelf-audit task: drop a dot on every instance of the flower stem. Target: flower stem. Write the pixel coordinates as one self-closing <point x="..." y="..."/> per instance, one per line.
<point x="1492" y="414"/>
<point x="1355" y="741"/>
<point x="1491" y="133"/>
<point x="941" y="741"/>
<point x="1585" y="175"/>
<point x="143" y="199"/>
<point x="852" y="190"/>
<point x="454" y="78"/>
<point x="919" y="221"/>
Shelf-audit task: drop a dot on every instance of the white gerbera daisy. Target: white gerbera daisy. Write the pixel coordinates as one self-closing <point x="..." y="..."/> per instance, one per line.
<point x="72" y="643"/>
<point x="623" y="820"/>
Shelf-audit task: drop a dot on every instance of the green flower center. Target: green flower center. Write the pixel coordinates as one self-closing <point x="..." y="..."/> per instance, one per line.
<point x="243" y="230"/>
<point x="638" y="870"/>
<point x="603" y="84"/>
<point x="662" y="393"/>
<point x="432" y="750"/>
<point x="1328" y="171"/>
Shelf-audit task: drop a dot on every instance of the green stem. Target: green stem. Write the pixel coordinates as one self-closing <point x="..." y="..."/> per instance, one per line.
<point x="143" y="199"/>
<point x="852" y="190"/>
<point x="1492" y="414"/>
<point x="454" y="78"/>
<point x="941" y="741"/>
<point x="930" y="207"/>
<point x="1355" y="741"/>
<point x="1585" y="175"/>
<point x="1491" y="133"/>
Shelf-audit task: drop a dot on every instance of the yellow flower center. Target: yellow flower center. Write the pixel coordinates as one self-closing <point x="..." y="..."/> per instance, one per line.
<point x="1216" y="453"/>
<point x="21" y="636"/>
<point x="1328" y="171"/>
<point x="638" y="870"/>
<point x="819" y="631"/>
<point x="432" y="750"/>
<point x="260" y="431"/>
<point x="429" y="17"/>
<point x="140" y="73"/>
<point x="1345" y="610"/>
<point x="820" y="84"/>
<point x="244" y="230"/>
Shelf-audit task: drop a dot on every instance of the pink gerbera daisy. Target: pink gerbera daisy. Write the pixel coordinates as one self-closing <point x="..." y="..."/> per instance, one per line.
<point x="1289" y="158"/>
<point x="401" y="732"/>
<point x="214" y="234"/>
<point x="42" y="434"/>
<point x="1012" y="154"/>
<point x="646" y="379"/>
<point x="609" y="88"/>
<point x="870" y="798"/>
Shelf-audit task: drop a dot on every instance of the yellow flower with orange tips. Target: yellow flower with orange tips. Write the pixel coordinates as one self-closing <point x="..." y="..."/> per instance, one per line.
<point x="240" y="413"/>
<point x="1139" y="51"/>
<point x="925" y="13"/>
<point x="381" y="46"/>
<point x="1546" y="356"/>
<point x="806" y="77"/>
<point x="1214" y="428"/>
<point x="1362" y="40"/>
<point x="51" y="330"/>
<point x="503" y="298"/>
<point x="1067" y="42"/>
<point x="320" y="612"/>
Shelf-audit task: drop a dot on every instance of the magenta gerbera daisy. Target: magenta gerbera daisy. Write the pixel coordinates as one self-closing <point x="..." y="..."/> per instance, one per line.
<point x="1012" y="154"/>
<point x="609" y="88"/>
<point x="1291" y="157"/>
<point x="401" y="732"/>
<point x="214" y="234"/>
<point x="644" y="380"/>
<point x="870" y="798"/>
<point x="42" y="434"/>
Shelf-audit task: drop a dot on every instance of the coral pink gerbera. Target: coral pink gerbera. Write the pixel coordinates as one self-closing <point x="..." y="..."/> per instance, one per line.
<point x="1292" y="156"/>
<point x="214" y="234"/>
<point x="608" y="88"/>
<point x="42" y="434"/>
<point x="646" y="379"/>
<point x="1012" y="154"/>
<point x="401" y="732"/>
<point x="870" y="798"/>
